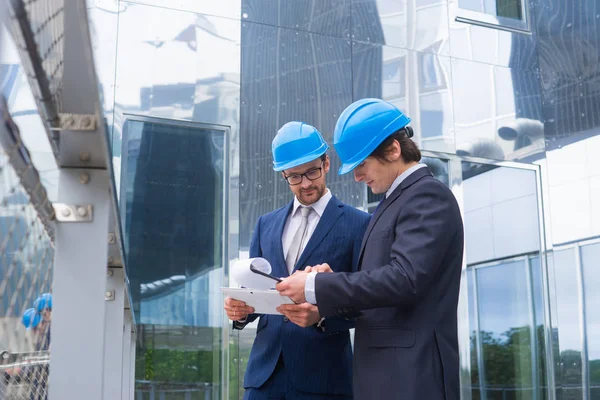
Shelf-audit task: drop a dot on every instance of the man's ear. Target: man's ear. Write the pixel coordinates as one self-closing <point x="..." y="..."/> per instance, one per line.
<point x="396" y="151"/>
<point x="326" y="164"/>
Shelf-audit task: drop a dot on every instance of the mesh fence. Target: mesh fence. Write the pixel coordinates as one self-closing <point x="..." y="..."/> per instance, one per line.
<point x="37" y="27"/>
<point x="26" y="259"/>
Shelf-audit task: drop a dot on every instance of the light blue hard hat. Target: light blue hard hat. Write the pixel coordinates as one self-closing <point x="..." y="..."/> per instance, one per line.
<point x="31" y="318"/>
<point x="296" y="143"/>
<point x="363" y="126"/>
<point x="42" y="302"/>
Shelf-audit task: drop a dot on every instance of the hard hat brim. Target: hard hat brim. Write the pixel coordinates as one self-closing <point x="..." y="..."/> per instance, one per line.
<point x="349" y="167"/>
<point x="302" y="160"/>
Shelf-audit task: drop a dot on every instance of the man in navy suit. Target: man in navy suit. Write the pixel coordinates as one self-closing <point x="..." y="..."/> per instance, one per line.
<point x="300" y="354"/>
<point x="405" y="292"/>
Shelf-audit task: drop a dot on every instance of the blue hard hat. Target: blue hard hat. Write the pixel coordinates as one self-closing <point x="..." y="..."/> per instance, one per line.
<point x="296" y="143"/>
<point x="43" y="302"/>
<point x="363" y="126"/>
<point x="31" y="318"/>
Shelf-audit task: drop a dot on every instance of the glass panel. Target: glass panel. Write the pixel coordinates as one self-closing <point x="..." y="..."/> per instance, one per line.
<point x="501" y="212"/>
<point x="173" y="188"/>
<point x="590" y="259"/>
<point x="509" y="9"/>
<point x="416" y="82"/>
<point x="569" y="323"/>
<point x="499" y="118"/>
<point x="506" y="312"/>
<point x="418" y="25"/>
<point x="327" y="17"/>
<point x="505" y="330"/>
<point x="498" y="8"/>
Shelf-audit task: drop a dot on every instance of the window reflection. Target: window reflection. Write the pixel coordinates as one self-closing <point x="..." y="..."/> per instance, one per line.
<point x="499" y="8"/>
<point x="508" y="338"/>
<point x="173" y="182"/>
<point x="504" y="281"/>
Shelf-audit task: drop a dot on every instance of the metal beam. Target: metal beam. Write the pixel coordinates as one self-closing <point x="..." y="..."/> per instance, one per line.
<point x="79" y="287"/>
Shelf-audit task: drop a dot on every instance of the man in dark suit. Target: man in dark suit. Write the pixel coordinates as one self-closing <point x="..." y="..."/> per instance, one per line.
<point x="300" y="355"/>
<point x="405" y="293"/>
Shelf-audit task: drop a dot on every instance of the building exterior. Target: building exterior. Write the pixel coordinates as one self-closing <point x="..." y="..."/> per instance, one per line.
<point x="505" y="99"/>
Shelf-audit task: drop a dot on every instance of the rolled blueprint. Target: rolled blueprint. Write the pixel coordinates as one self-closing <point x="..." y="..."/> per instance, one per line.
<point x="241" y="275"/>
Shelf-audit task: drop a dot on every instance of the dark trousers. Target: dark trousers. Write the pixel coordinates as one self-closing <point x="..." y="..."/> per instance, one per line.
<point x="278" y="387"/>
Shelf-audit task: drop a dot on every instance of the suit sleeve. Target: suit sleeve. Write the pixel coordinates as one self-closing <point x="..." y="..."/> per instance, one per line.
<point x="423" y="233"/>
<point x="254" y="252"/>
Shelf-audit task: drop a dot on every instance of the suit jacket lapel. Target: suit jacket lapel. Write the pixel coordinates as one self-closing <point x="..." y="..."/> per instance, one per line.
<point x="412" y="178"/>
<point x="280" y="267"/>
<point x="333" y="211"/>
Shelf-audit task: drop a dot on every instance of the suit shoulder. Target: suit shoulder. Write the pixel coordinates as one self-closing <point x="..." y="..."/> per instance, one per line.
<point x="433" y="185"/>
<point x="356" y="214"/>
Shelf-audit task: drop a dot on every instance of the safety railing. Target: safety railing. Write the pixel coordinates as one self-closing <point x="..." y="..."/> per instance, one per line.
<point x="24" y="376"/>
<point x="38" y="28"/>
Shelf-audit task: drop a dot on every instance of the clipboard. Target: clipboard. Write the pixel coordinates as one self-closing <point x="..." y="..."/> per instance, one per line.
<point x="263" y="301"/>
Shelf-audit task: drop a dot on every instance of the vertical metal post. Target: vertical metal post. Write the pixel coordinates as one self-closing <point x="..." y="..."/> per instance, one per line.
<point x="79" y="284"/>
<point x="480" y="355"/>
<point x="132" y="345"/>
<point x="585" y="373"/>
<point x="456" y="185"/>
<point x="533" y="333"/>
<point x="113" y="333"/>
<point x="126" y="370"/>
<point x="546" y="281"/>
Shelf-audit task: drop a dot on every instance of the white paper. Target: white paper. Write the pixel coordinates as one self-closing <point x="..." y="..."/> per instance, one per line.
<point x="263" y="301"/>
<point x="241" y="274"/>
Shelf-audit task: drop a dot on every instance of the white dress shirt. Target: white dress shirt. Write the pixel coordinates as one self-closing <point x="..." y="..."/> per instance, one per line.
<point x="309" y="286"/>
<point x="295" y="219"/>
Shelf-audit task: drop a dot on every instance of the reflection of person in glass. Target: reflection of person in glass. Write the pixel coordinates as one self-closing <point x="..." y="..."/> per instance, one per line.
<point x="405" y="293"/>
<point x="310" y="358"/>
<point x="43" y="305"/>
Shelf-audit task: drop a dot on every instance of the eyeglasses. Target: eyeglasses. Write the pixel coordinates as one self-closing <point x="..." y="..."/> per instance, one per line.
<point x="311" y="175"/>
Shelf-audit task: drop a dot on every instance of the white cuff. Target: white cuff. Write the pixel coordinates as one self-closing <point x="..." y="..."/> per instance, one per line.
<point x="309" y="288"/>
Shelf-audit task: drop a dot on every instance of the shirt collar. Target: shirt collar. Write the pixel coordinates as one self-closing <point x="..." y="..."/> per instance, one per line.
<point x="402" y="177"/>
<point x="319" y="206"/>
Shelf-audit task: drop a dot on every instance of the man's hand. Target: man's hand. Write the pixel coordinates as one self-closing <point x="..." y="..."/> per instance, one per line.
<point x="303" y="315"/>
<point x="293" y="287"/>
<point x="319" y="268"/>
<point x="237" y="310"/>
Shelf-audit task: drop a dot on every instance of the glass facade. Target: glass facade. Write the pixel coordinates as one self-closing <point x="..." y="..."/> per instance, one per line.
<point x="194" y="91"/>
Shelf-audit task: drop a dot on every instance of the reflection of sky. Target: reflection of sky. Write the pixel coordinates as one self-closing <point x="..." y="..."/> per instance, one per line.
<point x="590" y="258"/>
<point x="503" y="300"/>
<point x="501" y="214"/>
<point x="574" y="189"/>
<point x="172" y="58"/>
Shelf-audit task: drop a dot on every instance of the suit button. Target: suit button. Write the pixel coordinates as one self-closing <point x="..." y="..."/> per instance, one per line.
<point x="285" y="319"/>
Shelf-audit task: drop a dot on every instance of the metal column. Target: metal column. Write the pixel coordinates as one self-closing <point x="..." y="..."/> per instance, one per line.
<point x="79" y="286"/>
<point x="113" y="333"/>
<point x="128" y="363"/>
